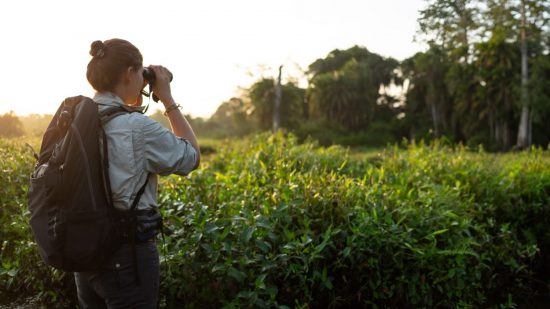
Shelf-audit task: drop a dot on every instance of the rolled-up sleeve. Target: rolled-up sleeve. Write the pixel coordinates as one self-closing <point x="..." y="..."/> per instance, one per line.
<point x="166" y="153"/>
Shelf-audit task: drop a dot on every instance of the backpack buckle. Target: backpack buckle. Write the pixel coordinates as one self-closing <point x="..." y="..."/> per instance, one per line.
<point x="64" y="119"/>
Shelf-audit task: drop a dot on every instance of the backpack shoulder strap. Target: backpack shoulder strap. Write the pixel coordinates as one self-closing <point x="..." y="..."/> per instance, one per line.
<point x="139" y="193"/>
<point x="105" y="116"/>
<point x="111" y="112"/>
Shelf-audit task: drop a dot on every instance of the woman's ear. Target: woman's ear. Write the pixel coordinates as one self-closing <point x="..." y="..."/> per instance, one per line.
<point x="127" y="75"/>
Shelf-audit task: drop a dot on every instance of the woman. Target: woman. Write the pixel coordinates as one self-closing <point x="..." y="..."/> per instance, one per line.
<point x="139" y="149"/>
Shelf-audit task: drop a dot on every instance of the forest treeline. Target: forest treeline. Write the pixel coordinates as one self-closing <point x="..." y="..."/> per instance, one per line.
<point x="485" y="79"/>
<point x="467" y="86"/>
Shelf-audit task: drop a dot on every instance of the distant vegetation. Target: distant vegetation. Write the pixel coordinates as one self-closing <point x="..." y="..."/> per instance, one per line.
<point x="10" y="125"/>
<point x="485" y="79"/>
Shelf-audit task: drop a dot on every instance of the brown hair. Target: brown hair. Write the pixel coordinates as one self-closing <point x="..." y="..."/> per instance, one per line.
<point x="110" y="59"/>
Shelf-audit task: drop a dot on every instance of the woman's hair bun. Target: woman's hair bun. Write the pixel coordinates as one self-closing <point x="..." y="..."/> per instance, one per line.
<point x="97" y="49"/>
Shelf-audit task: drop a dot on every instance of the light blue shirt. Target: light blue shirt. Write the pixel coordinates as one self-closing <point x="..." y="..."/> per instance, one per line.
<point x="138" y="145"/>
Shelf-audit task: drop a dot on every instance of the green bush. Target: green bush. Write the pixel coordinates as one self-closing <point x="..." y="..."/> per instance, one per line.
<point x="22" y="272"/>
<point x="329" y="133"/>
<point x="269" y="222"/>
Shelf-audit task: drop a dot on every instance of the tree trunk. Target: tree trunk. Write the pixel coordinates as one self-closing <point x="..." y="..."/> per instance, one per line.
<point x="492" y="137"/>
<point x="503" y="135"/>
<point x="277" y="109"/>
<point x="524" y="136"/>
<point x="435" y="119"/>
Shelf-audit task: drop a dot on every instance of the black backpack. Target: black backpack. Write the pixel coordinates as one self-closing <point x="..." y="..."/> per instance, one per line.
<point x="73" y="219"/>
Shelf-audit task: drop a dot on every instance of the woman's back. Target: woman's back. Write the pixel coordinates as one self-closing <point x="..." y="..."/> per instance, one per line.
<point x="139" y="146"/>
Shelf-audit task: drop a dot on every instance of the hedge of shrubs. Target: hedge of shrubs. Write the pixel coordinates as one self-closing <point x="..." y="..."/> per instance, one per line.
<point x="268" y="222"/>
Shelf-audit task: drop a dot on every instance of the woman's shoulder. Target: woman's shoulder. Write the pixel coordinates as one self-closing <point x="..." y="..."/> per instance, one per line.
<point x="129" y="121"/>
<point x="138" y="123"/>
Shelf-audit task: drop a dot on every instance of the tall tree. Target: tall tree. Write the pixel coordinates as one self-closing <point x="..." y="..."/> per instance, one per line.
<point x="450" y="24"/>
<point x="451" y="27"/>
<point x="345" y="86"/>
<point x="524" y="132"/>
<point x="427" y="95"/>
<point x="277" y="112"/>
<point x="497" y="63"/>
<point x="533" y="18"/>
<point x="479" y="39"/>
<point x="261" y="96"/>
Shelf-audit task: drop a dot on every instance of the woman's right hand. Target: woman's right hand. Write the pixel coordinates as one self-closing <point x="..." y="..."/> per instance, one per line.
<point x="161" y="87"/>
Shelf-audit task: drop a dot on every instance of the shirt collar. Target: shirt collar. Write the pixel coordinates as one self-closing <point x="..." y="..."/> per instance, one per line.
<point x="111" y="99"/>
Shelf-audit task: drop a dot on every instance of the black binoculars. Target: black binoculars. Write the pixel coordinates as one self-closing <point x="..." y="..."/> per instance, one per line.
<point x="150" y="77"/>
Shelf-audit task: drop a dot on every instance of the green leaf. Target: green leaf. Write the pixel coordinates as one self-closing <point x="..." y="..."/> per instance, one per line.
<point x="236" y="274"/>
<point x="247" y="233"/>
<point x="259" y="283"/>
<point x="218" y="267"/>
<point x="263" y="245"/>
<point x="437" y="232"/>
<point x="12" y="272"/>
<point x="346" y="251"/>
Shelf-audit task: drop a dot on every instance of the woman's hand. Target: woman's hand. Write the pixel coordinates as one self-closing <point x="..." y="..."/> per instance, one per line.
<point x="161" y="87"/>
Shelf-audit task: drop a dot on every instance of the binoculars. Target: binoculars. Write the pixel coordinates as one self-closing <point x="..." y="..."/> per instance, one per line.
<point x="150" y="77"/>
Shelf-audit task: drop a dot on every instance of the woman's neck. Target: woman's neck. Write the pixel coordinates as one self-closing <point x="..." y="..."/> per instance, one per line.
<point x="122" y="95"/>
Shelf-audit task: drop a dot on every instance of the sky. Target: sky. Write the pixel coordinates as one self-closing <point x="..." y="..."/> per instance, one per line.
<point x="213" y="48"/>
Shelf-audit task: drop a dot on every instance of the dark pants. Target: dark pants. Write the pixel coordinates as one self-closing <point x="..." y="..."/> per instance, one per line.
<point x="115" y="285"/>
